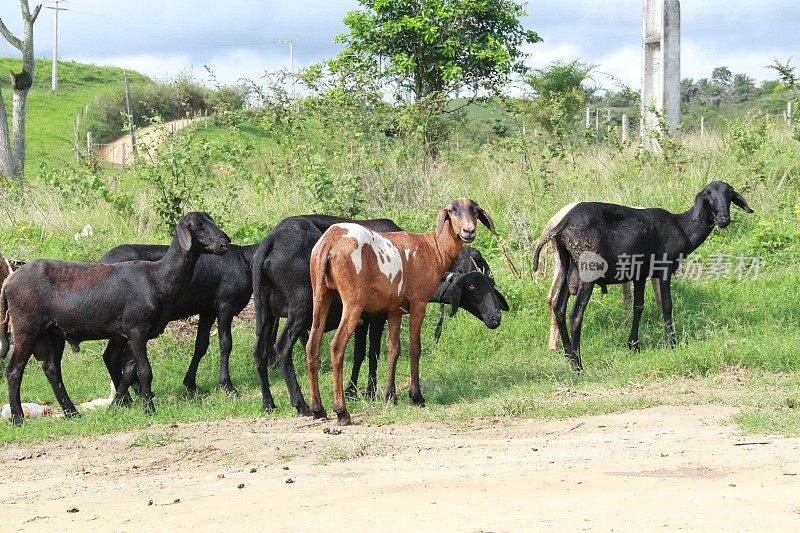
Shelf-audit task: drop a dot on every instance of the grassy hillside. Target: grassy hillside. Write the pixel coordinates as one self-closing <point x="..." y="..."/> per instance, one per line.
<point x="49" y="116"/>
<point x="737" y="335"/>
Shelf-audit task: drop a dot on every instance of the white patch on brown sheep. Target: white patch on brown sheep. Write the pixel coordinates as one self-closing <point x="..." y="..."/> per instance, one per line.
<point x="386" y="253"/>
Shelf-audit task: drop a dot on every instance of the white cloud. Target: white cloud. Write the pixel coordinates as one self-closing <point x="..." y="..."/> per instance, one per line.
<point x="542" y="54"/>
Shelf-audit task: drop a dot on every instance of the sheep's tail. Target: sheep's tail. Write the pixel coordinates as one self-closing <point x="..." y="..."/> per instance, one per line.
<point x="548" y="234"/>
<point x="261" y="301"/>
<point x="320" y="263"/>
<point x="5" y="340"/>
<point x="551" y="229"/>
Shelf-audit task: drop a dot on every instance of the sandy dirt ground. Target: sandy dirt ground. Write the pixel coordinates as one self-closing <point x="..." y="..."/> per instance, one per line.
<point x="662" y="468"/>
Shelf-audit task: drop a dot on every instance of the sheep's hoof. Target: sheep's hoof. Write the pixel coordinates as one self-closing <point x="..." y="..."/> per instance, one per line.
<point x="191" y="386"/>
<point x="122" y="401"/>
<point x="72" y="413"/>
<point x="303" y="409"/>
<point x="351" y="392"/>
<point x="391" y="397"/>
<point x="149" y="407"/>
<point x="17" y="420"/>
<point x="633" y="345"/>
<point x="417" y="399"/>
<point x="229" y="389"/>
<point x="269" y="407"/>
<point x="343" y="418"/>
<point x="317" y="411"/>
<point x="371" y="393"/>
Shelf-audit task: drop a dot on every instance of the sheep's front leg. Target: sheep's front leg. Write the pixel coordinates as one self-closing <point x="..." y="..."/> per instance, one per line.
<point x="200" y="348"/>
<point x="415" y="327"/>
<point x="394" y="353"/>
<point x="666" y="311"/>
<point x="638" y="307"/>
<point x="359" y="353"/>
<point x="137" y="341"/>
<point x="375" y="334"/>
<point x="224" y="323"/>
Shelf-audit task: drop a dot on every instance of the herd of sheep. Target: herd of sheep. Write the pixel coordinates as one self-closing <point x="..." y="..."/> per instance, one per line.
<point x="322" y="273"/>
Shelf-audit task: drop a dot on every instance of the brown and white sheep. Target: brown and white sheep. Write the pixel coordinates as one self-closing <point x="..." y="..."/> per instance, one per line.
<point x="394" y="273"/>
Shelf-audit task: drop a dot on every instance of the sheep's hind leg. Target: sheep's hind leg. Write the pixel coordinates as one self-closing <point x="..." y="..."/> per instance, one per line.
<point x="350" y="317"/>
<point x="576" y="323"/>
<point x="16" y="368"/>
<point x="52" y="369"/>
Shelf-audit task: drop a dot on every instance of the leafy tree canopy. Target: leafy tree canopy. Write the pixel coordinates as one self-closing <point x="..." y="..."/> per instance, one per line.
<point x="436" y="46"/>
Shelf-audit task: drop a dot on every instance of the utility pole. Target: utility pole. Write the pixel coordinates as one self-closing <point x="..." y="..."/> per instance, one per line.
<point x="291" y="43"/>
<point x="661" y="69"/>
<point x="55" y="7"/>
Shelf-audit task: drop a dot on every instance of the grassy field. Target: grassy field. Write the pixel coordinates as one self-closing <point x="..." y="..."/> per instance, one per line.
<point x="737" y="338"/>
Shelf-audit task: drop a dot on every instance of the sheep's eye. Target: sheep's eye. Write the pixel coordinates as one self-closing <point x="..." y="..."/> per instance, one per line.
<point x="471" y="287"/>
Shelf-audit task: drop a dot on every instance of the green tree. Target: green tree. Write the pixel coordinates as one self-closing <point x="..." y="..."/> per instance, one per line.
<point x="561" y="92"/>
<point x="432" y="49"/>
<point x="785" y="72"/>
<point x="743" y="86"/>
<point x="722" y="76"/>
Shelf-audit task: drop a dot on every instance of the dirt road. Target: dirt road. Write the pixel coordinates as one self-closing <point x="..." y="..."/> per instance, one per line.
<point x="663" y="468"/>
<point x="119" y="151"/>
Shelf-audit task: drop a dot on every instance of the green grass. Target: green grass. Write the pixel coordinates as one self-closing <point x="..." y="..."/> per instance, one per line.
<point x="737" y="339"/>
<point x="49" y="117"/>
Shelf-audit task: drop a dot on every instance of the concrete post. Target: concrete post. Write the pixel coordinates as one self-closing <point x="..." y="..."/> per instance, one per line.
<point x="661" y="67"/>
<point x="625" y="133"/>
<point x="588" y="117"/>
<point x="702" y="125"/>
<point x="596" y="119"/>
<point x="89" y="142"/>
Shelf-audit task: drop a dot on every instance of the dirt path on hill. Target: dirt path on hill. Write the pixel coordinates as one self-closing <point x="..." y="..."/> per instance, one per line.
<point x="662" y="468"/>
<point x="119" y="151"/>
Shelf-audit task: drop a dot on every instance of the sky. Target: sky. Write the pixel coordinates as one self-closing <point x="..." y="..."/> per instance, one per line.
<point x="242" y="38"/>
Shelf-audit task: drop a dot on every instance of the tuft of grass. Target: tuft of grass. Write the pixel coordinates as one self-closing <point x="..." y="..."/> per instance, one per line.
<point x="354" y="449"/>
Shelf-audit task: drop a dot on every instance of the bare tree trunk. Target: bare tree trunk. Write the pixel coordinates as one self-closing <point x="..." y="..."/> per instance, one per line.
<point x="12" y="147"/>
<point x="6" y="168"/>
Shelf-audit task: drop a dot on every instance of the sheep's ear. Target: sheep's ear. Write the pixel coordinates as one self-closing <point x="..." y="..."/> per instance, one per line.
<point x="455" y="296"/>
<point x="739" y="200"/>
<point x="482" y="266"/>
<point x="484" y="217"/>
<point x="699" y="200"/>
<point x="184" y="237"/>
<point x="503" y="302"/>
<point x="443" y="215"/>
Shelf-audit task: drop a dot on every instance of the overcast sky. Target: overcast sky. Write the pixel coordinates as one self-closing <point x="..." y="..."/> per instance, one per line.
<point x="240" y="38"/>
